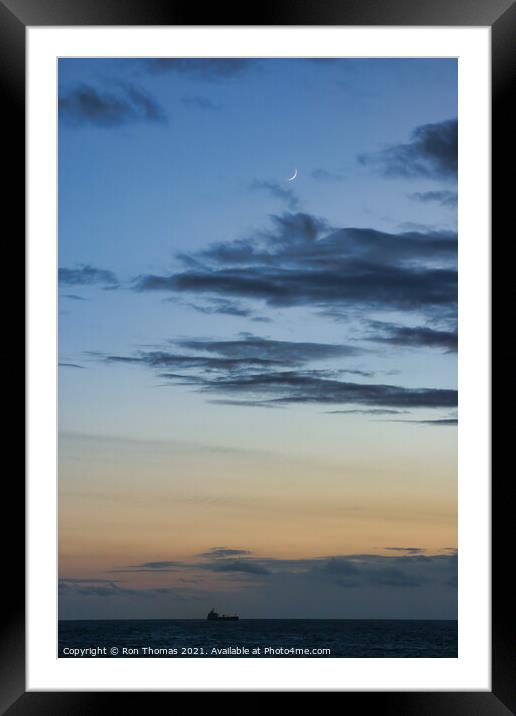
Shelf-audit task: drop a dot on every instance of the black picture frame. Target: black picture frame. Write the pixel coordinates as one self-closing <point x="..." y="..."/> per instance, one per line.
<point x="500" y="15"/>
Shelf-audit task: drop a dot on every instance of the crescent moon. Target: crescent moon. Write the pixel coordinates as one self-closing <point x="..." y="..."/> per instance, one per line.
<point x="294" y="175"/>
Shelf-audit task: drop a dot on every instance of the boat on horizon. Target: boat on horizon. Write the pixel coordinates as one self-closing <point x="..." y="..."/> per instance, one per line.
<point x="214" y="616"/>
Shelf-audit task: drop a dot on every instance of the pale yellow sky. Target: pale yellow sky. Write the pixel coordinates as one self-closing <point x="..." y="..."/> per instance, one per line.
<point x="127" y="502"/>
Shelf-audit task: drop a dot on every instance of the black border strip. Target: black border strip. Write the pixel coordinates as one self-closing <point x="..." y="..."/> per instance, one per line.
<point x="268" y="12"/>
<point x="15" y="16"/>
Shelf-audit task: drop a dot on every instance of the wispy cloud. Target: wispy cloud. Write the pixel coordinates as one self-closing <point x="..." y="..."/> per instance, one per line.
<point x="371" y="411"/>
<point x="86" y="275"/>
<point x="431" y="152"/>
<point x="222" y="306"/>
<point x="311" y="387"/>
<point x="249" y="346"/>
<point x="304" y="262"/>
<point x="413" y="336"/>
<point x="437" y="422"/>
<point x="74" y="297"/>
<point x="444" y="198"/>
<point x="86" y="105"/>
<point x="255" y="371"/>
<point x="410" y="567"/>
<point x="222" y="552"/>
<point x="94" y="588"/>
<point x="208" y="69"/>
<point x="112" y="589"/>
<point x="247" y="351"/>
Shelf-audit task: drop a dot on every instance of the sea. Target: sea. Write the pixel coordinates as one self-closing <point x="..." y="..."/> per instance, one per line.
<point x="258" y="638"/>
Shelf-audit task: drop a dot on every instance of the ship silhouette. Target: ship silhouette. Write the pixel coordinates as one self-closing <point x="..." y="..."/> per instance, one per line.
<point x="214" y="616"/>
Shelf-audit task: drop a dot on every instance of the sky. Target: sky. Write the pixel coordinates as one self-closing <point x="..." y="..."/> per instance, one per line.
<point x="257" y="376"/>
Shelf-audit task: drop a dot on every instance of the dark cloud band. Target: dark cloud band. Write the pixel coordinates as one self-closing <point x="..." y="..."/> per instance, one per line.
<point x="86" y="276"/>
<point x="86" y="105"/>
<point x="432" y="152"/>
<point x="301" y="262"/>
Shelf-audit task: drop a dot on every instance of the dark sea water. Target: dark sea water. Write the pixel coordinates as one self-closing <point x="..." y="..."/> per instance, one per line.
<point x="172" y="638"/>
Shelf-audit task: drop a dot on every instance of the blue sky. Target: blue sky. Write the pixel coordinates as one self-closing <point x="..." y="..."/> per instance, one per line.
<point x="210" y="306"/>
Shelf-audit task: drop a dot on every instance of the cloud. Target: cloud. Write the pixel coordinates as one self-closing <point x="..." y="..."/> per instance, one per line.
<point x="84" y="105"/>
<point x="247" y="352"/>
<point x="198" y="102"/>
<point x="221" y="306"/>
<point x="217" y="552"/>
<point x="74" y="297"/>
<point x="241" y="566"/>
<point x="303" y="262"/>
<point x="159" y="565"/>
<point x="431" y="153"/>
<point x="314" y="387"/>
<point x="209" y="69"/>
<point x="245" y="403"/>
<point x="373" y="411"/>
<point x="277" y="191"/>
<point x="70" y="365"/>
<point x="164" y="359"/>
<point x="445" y="198"/>
<point x="86" y="275"/>
<point x="163" y="566"/>
<point x="393" y="577"/>
<point x="415" y="337"/>
<point x="280" y="352"/>
<point x="112" y="588"/>
<point x="338" y="585"/>
<point x="94" y="588"/>
<point x="78" y="580"/>
<point x="259" y="372"/>
<point x="217" y="559"/>
<point x="437" y="421"/>
<point x="356" y="371"/>
<point x="340" y="567"/>
<point x="412" y="568"/>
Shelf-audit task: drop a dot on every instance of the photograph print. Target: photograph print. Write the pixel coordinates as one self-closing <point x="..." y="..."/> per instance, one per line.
<point x="257" y="358"/>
